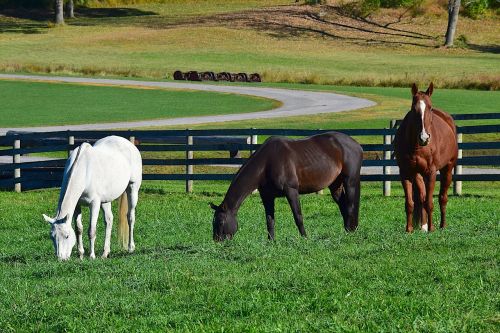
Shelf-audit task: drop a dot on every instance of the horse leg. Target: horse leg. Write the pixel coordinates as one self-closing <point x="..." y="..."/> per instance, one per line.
<point x="337" y="190"/>
<point x="108" y="221"/>
<point x="292" y="195"/>
<point x="349" y="199"/>
<point x="429" y="201"/>
<point x="421" y="194"/>
<point x="268" y="201"/>
<point x="409" y="205"/>
<point x="94" y="214"/>
<point x="79" y="230"/>
<point x="133" y="197"/>
<point x="445" y="173"/>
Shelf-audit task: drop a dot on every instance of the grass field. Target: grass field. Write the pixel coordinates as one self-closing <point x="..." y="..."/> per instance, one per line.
<point x="27" y="104"/>
<point x="285" y="42"/>
<point x="57" y="104"/>
<point x="376" y="279"/>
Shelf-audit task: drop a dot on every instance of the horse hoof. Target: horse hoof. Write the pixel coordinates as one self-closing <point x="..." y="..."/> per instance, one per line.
<point x="131" y="248"/>
<point x="92" y="256"/>
<point x="105" y="255"/>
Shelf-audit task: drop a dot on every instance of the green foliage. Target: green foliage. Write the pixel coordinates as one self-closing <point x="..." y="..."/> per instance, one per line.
<point x="475" y="8"/>
<point x="396" y="3"/>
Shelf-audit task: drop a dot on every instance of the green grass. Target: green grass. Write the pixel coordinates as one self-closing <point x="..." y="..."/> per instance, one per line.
<point x="57" y="104"/>
<point x="376" y="279"/>
<point x="34" y="104"/>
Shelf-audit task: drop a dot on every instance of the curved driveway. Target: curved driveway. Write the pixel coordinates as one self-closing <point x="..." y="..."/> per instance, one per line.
<point x="294" y="103"/>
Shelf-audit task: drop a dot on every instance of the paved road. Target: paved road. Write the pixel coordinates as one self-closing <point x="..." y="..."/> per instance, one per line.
<point x="294" y="103"/>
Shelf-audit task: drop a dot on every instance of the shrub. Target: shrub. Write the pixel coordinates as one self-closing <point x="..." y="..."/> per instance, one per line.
<point x="475" y="8"/>
<point x="396" y="3"/>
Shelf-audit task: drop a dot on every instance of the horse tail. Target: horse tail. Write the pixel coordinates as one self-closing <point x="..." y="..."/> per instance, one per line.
<point x="123" y="228"/>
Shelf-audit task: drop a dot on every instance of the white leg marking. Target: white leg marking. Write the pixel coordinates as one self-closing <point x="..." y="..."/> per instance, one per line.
<point x="425" y="227"/>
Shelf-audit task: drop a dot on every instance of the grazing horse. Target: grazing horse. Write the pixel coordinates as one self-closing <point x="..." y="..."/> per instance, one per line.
<point x="284" y="167"/>
<point x="425" y="142"/>
<point x="95" y="176"/>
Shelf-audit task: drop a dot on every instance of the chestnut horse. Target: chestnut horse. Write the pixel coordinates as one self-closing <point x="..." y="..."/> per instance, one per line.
<point x="284" y="167"/>
<point x="425" y="142"/>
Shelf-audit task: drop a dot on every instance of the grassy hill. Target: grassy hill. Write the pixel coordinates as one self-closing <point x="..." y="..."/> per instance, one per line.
<point x="284" y="40"/>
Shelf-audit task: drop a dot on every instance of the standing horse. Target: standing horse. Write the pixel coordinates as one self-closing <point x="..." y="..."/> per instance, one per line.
<point x="425" y="142"/>
<point x="95" y="176"/>
<point x="284" y="167"/>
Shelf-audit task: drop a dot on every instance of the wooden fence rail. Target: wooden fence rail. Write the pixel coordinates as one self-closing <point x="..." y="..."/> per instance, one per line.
<point x="185" y="144"/>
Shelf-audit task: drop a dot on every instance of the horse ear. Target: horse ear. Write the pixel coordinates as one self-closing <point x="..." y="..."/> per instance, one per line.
<point x="414" y="89"/>
<point x="213" y="206"/>
<point x="48" y="219"/>
<point x="430" y="90"/>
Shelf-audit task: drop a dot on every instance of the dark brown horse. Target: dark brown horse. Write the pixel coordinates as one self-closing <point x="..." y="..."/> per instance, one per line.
<point x="425" y="143"/>
<point x="284" y="167"/>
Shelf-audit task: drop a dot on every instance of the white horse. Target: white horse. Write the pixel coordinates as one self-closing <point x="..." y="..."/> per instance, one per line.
<point x="95" y="176"/>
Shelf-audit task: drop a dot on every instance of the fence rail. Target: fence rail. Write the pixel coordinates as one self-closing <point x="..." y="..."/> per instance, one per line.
<point x="183" y="144"/>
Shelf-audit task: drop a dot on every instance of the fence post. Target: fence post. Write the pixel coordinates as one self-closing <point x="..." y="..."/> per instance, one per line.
<point x="457" y="184"/>
<point x="387" y="157"/>
<point x="71" y="143"/>
<point x="17" y="159"/>
<point x="189" y="167"/>
<point x="253" y="141"/>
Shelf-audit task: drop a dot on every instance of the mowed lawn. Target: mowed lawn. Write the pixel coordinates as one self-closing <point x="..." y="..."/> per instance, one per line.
<point x="376" y="279"/>
<point x="27" y="104"/>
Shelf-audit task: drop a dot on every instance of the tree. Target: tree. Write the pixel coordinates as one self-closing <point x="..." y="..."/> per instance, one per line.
<point x="70" y="9"/>
<point x="59" y="7"/>
<point x="453" y="8"/>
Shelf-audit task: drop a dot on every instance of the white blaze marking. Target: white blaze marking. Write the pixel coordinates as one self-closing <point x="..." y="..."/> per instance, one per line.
<point x="424" y="136"/>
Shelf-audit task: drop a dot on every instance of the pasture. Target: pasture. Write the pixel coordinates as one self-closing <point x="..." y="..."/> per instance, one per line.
<point x="376" y="279"/>
<point x="286" y="42"/>
<point x="59" y="104"/>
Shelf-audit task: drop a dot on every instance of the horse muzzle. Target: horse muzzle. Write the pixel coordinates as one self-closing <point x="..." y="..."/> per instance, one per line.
<point x="423" y="140"/>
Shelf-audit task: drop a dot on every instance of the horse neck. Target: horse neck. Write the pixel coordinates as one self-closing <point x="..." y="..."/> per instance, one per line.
<point x="247" y="179"/>
<point x="73" y="185"/>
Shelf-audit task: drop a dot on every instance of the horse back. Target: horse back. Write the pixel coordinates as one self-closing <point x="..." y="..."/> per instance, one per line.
<point x="312" y="163"/>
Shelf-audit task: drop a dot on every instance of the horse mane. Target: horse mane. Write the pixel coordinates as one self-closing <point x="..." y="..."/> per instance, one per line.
<point x="69" y="173"/>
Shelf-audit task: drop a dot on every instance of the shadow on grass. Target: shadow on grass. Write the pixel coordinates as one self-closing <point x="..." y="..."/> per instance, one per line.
<point x="157" y="251"/>
<point x="490" y="48"/>
<point x="328" y="22"/>
<point x="33" y="21"/>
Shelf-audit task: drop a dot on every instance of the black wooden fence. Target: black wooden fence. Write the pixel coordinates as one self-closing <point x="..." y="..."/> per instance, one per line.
<point x="183" y="145"/>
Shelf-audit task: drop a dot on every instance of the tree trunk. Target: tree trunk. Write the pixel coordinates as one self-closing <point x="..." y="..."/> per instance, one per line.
<point x="70" y="9"/>
<point x="59" y="12"/>
<point x="453" y="8"/>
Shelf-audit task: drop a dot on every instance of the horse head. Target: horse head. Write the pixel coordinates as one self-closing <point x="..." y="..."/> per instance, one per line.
<point x="62" y="235"/>
<point x="422" y="109"/>
<point x="224" y="223"/>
